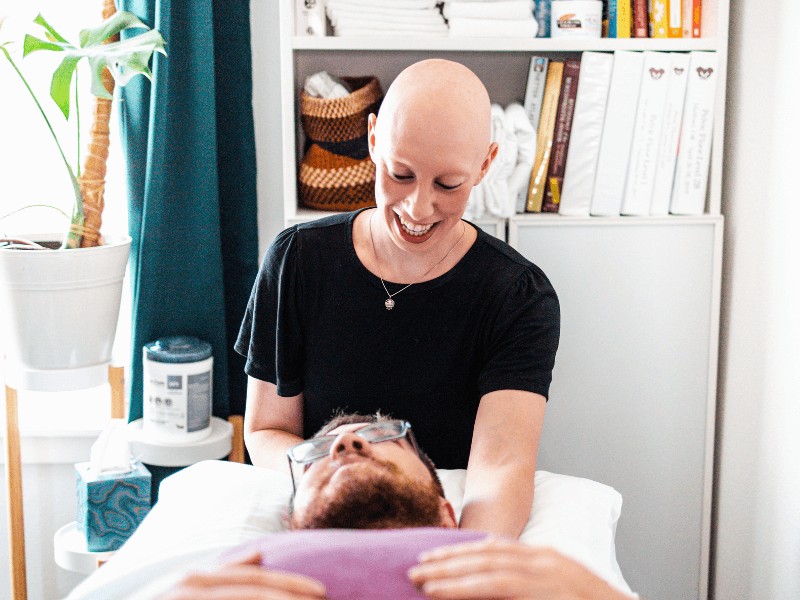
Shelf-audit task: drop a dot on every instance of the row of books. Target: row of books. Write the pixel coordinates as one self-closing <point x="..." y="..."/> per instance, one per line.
<point x="652" y="18"/>
<point x="623" y="133"/>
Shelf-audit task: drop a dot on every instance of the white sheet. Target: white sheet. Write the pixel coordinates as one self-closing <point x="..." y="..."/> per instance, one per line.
<point x="213" y="506"/>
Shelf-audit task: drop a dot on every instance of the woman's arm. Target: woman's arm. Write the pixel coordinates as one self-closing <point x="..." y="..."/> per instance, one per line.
<point x="272" y="424"/>
<point x="499" y="487"/>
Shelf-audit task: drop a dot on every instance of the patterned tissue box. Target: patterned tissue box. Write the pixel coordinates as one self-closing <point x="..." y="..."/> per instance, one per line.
<point x="111" y="506"/>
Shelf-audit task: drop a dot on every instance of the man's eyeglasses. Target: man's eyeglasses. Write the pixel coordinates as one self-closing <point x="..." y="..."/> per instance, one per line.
<point x="310" y="451"/>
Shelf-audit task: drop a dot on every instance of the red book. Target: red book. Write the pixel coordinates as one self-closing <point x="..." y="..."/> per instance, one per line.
<point x="697" y="10"/>
<point x="641" y="20"/>
<point x="558" y="157"/>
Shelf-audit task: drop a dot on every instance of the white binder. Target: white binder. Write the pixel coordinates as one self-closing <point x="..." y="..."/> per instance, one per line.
<point x="670" y="132"/>
<point x="615" y="143"/>
<point x="587" y="129"/>
<point x="646" y="134"/>
<point x="694" y="151"/>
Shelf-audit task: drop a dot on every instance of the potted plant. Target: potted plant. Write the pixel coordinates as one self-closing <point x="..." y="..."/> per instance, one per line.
<point x="60" y="293"/>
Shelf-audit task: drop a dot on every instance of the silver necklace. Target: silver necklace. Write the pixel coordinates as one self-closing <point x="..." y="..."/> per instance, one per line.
<point x="389" y="302"/>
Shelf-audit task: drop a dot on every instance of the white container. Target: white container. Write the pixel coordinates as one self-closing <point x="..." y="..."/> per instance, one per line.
<point x="58" y="313"/>
<point x="576" y="18"/>
<point x="178" y="386"/>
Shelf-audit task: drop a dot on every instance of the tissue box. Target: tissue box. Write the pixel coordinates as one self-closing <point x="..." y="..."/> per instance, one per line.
<point x="111" y="506"/>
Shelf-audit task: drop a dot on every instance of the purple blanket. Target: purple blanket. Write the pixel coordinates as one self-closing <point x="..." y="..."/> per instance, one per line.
<point x="357" y="564"/>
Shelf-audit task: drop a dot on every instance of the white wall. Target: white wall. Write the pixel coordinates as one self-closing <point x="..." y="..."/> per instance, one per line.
<point x="265" y="38"/>
<point x="757" y="541"/>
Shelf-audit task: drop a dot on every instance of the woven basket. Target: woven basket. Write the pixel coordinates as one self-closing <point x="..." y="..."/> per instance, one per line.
<point x="336" y="172"/>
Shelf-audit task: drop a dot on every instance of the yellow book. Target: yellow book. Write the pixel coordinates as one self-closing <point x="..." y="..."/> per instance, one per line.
<point x="659" y="19"/>
<point x="544" y="136"/>
<point x="624" y="19"/>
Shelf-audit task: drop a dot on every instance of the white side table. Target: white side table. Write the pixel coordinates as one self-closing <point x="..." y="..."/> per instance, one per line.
<point x="71" y="553"/>
<point x="216" y="445"/>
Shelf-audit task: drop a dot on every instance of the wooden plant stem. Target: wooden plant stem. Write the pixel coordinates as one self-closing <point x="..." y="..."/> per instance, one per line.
<point x="93" y="180"/>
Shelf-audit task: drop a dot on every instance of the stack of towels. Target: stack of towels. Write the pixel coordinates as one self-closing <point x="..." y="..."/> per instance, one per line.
<point x="491" y="18"/>
<point x="510" y="172"/>
<point x="389" y="18"/>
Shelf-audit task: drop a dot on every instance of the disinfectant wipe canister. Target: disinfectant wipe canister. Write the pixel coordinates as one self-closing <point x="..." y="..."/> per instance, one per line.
<point x="177" y="389"/>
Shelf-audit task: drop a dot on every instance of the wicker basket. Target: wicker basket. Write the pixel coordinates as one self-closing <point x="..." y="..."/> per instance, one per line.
<point x="336" y="172"/>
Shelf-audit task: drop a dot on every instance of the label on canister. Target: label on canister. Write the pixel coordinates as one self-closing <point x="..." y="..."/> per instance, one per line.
<point x="178" y="388"/>
<point x="576" y="18"/>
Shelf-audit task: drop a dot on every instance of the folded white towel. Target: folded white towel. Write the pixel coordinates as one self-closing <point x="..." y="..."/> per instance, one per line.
<point x="323" y="85"/>
<point x="388" y="26"/>
<point x="398" y="4"/>
<point x="496" y="193"/>
<point x="416" y="13"/>
<point x="355" y="32"/>
<point x="519" y="123"/>
<point x="506" y="9"/>
<point x="415" y="17"/>
<point x="388" y="29"/>
<point x="524" y="28"/>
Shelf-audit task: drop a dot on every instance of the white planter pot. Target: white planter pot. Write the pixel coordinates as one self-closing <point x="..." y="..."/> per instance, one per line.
<point x="59" y="309"/>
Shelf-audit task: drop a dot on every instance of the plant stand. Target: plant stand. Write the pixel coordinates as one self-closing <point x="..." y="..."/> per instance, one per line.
<point x="16" y="522"/>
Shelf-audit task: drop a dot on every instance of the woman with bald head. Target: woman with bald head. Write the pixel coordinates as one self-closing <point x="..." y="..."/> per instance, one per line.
<point x="408" y="309"/>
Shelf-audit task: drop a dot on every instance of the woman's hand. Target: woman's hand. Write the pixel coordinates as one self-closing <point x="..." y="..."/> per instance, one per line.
<point x="245" y="579"/>
<point x="494" y="569"/>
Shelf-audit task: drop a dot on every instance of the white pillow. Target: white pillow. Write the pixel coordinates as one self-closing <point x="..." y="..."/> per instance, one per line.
<point x="214" y="505"/>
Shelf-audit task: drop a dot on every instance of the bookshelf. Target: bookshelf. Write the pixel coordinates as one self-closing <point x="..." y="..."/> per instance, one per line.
<point x="633" y="403"/>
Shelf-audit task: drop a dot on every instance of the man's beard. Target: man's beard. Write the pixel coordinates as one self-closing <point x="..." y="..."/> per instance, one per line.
<point x="372" y="495"/>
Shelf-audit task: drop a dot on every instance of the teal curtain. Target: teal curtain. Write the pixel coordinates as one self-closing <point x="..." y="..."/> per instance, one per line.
<point x="190" y="150"/>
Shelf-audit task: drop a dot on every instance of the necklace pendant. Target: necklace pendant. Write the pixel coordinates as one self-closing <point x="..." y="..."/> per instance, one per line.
<point x="389" y="304"/>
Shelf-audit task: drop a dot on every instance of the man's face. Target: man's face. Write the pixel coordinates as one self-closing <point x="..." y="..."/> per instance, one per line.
<point x="367" y="485"/>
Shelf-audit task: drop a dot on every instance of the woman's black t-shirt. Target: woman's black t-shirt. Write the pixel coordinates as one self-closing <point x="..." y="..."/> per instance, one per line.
<point x="316" y="323"/>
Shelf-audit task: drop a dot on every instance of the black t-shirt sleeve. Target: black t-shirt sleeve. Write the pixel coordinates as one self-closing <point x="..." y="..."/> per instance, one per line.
<point x="522" y="341"/>
<point x="270" y="337"/>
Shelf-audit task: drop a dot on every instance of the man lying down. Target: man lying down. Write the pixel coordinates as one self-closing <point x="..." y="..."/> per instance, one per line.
<point x="368" y="520"/>
<point x="395" y="534"/>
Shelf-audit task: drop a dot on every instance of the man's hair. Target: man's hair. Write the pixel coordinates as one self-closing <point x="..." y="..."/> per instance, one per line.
<point x="341" y="418"/>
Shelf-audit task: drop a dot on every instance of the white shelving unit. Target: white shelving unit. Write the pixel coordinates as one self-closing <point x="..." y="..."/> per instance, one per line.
<point x="633" y="400"/>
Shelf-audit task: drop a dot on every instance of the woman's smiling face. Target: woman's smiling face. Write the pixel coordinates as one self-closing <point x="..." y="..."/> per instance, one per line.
<point x="422" y="183"/>
<point x="429" y="153"/>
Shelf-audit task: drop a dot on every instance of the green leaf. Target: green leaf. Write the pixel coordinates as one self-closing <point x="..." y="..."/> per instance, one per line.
<point x="112" y="26"/>
<point x="125" y="59"/>
<point x="32" y="44"/>
<point x="40" y="20"/>
<point x="62" y="83"/>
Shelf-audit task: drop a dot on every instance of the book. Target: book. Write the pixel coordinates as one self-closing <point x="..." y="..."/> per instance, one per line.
<point x="640" y="18"/>
<point x="561" y="135"/>
<point x="532" y="103"/>
<point x="659" y="21"/>
<point x="697" y="13"/>
<point x="624" y="18"/>
<point x="612" y="18"/>
<point x="544" y="136"/>
<point x="587" y="129"/>
<point x="675" y="19"/>
<point x="646" y="134"/>
<point x="541" y="13"/>
<point x="668" y="144"/>
<point x="309" y="17"/>
<point x="686" y="17"/>
<point x="534" y="89"/>
<point x="615" y="141"/>
<point x="694" y="147"/>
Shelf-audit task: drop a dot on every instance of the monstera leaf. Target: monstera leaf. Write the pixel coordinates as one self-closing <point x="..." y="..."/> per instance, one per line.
<point x="124" y="59"/>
